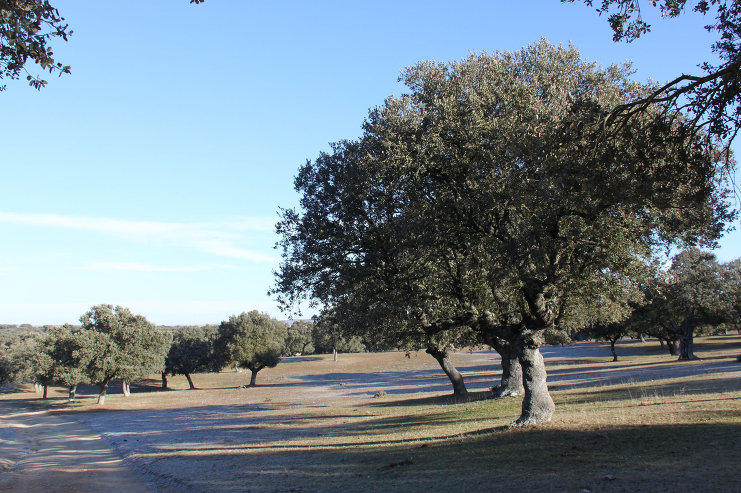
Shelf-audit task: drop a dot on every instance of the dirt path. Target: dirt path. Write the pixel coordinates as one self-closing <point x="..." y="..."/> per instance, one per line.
<point x="42" y="452"/>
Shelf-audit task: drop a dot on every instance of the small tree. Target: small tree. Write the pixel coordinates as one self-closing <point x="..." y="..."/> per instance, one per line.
<point x="299" y="339"/>
<point x="330" y="338"/>
<point x="695" y="297"/>
<point x="114" y="343"/>
<point x="57" y="360"/>
<point x="16" y="357"/>
<point x="251" y="340"/>
<point x="192" y="351"/>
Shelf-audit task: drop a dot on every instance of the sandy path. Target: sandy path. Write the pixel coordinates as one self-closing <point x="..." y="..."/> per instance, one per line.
<point x="42" y="452"/>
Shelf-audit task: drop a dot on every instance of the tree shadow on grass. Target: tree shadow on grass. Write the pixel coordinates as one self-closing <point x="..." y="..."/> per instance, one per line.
<point x="693" y="457"/>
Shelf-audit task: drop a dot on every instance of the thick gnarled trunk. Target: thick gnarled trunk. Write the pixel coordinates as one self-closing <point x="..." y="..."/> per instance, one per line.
<point x="126" y="388"/>
<point x="686" y="347"/>
<point x="685" y="334"/>
<point x="511" y="382"/>
<point x="537" y="406"/>
<point x="455" y="377"/>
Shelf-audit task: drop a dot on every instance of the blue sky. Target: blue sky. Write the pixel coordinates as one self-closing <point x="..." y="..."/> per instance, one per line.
<point x="152" y="175"/>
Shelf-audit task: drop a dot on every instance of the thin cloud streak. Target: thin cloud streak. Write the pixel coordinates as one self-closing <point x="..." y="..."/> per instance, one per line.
<point x="216" y="238"/>
<point x="139" y="267"/>
<point x="133" y="266"/>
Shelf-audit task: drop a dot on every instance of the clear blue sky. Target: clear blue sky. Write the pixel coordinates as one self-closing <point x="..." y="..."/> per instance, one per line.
<point x="152" y="175"/>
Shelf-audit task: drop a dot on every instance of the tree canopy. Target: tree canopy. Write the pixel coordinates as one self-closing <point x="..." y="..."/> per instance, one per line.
<point x="192" y="351"/>
<point x="251" y="340"/>
<point x="488" y="197"/>
<point x="117" y="344"/>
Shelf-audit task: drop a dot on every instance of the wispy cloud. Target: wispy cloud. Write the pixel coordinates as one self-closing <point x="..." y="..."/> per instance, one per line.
<point x="220" y="238"/>
<point x="139" y="267"/>
<point x="134" y="266"/>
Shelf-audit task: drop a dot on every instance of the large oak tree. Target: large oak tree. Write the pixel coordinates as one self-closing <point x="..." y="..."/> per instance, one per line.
<point x="489" y="197"/>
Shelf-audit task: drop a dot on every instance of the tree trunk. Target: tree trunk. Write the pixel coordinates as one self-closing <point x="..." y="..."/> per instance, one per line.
<point x="164" y="380"/>
<point x="72" y="392"/>
<point x="443" y="359"/>
<point x="671" y="344"/>
<point x="334" y="353"/>
<point x="511" y="383"/>
<point x="37" y="387"/>
<point x="126" y="388"/>
<point x="537" y="406"/>
<point x="661" y="342"/>
<point x="643" y="337"/>
<point x="686" y="346"/>
<point x="190" y="382"/>
<point x="612" y="348"/>
<point x="103" y="389"/>
<point x="46" y="391"/>
<point x="253" y="378"/>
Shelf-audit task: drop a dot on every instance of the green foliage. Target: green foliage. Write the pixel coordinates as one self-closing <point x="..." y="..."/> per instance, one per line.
<point x="695" y="295"/>
<point x="251" y="340"/>
<point x="329" y="337"/>
<point x="56" y="359"/>
<point x="192" y="351"/>
<point x="115" y="344"/>
<point x="299" y="339"/>
<point x="26" y="29"/>
<point x="16" y="357"/>
<point x="489" y="196"/>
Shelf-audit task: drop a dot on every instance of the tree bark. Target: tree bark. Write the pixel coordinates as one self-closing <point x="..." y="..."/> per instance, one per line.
<point x="190" y="382"/>
<point x="671" y="344"/>
<point x="253" y="378"/>
<point x="126" y="388"/>
<point x="334" y="353"/>
<point x="164" y="380"/>
<point x="103" y="389"/>
<point x="72" y="392"/>
<point x="37" y="387"/>
<point x="537" y="406"/>
<point x="46" y="391"/>
<point x="511" y="382"/>
<point x="686" y="347"/>
<point x="443" y="358"/>
<point x="612" y="348"/>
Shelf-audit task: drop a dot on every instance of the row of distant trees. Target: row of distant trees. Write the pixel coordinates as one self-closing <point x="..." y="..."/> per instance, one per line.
<point x="112" y="344"/>
<point x="695" y="295"/>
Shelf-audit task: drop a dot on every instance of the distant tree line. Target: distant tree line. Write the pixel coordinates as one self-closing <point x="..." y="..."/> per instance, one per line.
<point x="112" y="344"/>
<point x="696" y="295"/>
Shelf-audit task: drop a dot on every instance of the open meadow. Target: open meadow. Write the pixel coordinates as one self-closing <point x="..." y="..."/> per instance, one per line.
<point x="386" y="422"/>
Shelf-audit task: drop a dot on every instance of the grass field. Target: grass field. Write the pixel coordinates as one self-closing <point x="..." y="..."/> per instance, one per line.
<point x="385" y="422"/>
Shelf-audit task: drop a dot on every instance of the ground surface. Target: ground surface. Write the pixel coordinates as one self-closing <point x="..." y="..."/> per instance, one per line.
<point x="383" y="422"/>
